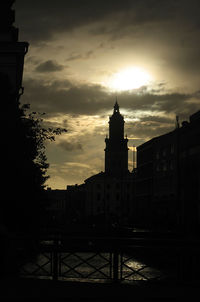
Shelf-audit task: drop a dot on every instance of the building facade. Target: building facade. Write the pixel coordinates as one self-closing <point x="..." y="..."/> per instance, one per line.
<point x="168" y="177"/>
<point x="12" y="51"/>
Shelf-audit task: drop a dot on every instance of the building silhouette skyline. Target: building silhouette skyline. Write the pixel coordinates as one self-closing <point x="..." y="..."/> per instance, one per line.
<point x="155" y="195"/>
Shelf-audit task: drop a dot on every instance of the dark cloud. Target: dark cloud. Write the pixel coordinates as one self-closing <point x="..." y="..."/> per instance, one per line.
<point x="40" y="19"/>
<point x="70" y="146"/>
<point x="186" y="59"/>
<point x="154" y="119"/>
<point x="169" y="29"/>
<point x="49" y="66"/>
<point x="148" y="130"/>
<point x="63" y="97"/>
<point x="59" y="97"/>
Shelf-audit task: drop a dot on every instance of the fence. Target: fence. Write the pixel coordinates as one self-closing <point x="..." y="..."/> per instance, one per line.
<point x="116" y="259"/>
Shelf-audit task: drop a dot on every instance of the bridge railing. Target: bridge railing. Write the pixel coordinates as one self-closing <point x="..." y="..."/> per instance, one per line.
<point x="116" y="259"/>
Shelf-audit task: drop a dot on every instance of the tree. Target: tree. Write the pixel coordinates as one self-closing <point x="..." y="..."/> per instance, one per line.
<point x="24" y="169"/>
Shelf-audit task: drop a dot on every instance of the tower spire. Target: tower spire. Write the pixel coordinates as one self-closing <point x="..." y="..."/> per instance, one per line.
<point x="116" y="107"/>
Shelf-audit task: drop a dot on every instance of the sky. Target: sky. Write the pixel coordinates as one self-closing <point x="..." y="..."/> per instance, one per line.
<point x="83" y="54"/>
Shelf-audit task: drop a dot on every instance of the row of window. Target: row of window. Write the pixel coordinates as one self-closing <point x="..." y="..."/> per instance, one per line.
<point x="166" y="166"/>
<point x="100" y="196"/>
<point x="164" y="151"/>
<point x="108" y="186"/>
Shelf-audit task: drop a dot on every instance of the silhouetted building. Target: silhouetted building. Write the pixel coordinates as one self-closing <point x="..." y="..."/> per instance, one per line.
<point x="108" y="196"/>
<point x="75" y="208"/>
<point x="168" y="178"/>
<point x="116" y="151"/>
<point x="189" y="173"/>
<point x="156" y="182"/>
<point x="162" y="193"/>
<point x="55" y="202"/>
<point x="12" y="51"/>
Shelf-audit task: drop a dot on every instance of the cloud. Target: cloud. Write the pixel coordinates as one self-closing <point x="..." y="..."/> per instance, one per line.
<point x="168" y="29"/>
<point x="79" y="56"/>
<point x="71" y="146"/>
<point x="140" y="132"/>
<point x="64" y="97"/>
<point x="41" y="19"/>
<point x="49" y="66"/>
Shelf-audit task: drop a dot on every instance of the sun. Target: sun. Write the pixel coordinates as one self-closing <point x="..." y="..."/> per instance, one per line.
<point x="129" y="78"/>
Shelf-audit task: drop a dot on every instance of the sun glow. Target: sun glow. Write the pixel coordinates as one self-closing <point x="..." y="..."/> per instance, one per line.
<point x="129" y="78"/>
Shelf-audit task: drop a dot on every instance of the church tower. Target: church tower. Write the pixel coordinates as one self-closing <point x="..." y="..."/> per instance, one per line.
<point x="116" y="151"/>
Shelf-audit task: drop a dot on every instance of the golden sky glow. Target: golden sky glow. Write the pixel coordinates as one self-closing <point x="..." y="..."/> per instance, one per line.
<point x="129" y="78"/>
<point x="82" y="56"/>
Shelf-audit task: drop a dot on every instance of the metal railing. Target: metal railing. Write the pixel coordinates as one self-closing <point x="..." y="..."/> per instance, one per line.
<point x="116" y="259"/>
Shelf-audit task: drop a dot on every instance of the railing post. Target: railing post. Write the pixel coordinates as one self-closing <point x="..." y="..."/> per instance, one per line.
<point x="116" y="266"/>
<point x="55" y="260"/>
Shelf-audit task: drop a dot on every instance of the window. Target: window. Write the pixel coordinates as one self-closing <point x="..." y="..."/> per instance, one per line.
<point x="98" y="196"/>
<point x="117" y="185"/>
<point x="98" y="186"/>
<point x="164" y="167"/>
<point x="164" y="152"/>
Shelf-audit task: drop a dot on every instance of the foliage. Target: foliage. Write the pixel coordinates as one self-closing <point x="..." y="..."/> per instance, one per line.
<point x="35" y="136"/>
